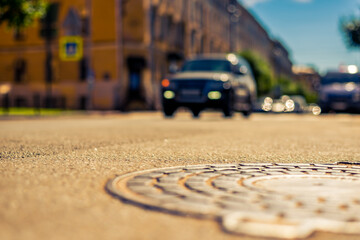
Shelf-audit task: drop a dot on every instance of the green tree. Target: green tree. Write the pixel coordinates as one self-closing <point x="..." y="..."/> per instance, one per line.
<point x="292" y="87"/>
<point x="267" y="84"/>
<point x="262" y="72"/>
<point x="18" y="14"/>
<point x="350" y="27"/>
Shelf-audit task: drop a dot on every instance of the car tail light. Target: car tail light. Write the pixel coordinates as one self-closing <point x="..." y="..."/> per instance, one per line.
<point x="165" y="83"/>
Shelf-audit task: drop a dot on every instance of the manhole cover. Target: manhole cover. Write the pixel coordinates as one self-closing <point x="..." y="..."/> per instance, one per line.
<point x="266" y="200"/>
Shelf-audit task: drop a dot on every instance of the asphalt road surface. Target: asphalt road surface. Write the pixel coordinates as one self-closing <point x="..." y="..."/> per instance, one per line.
<point x="53" y="171"/>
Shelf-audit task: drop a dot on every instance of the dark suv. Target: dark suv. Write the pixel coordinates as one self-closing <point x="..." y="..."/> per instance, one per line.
<point x="223" y="82"/>
<point x="340" y="92"/>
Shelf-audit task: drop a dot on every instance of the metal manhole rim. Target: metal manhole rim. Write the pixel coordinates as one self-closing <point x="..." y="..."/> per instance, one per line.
<point x="155" y="204"/>
<point x="125" y="197"/>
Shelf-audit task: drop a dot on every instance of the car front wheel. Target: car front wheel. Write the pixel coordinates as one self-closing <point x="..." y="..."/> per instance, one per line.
<point x="247" y="112"/>
<point x="169" y="111"/>
<point x="228" y="106"/>
<point x="196" y="112"/>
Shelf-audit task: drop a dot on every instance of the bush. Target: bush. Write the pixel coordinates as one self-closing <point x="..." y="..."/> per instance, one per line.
<point x="262" y="72"/>
<point x="291" y="87"/>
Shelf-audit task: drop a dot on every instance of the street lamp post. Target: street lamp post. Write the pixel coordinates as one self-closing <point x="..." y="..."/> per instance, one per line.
<point x="151" y="16"/>
<point x="119" y="51"/>
<point x="48" y="73"/>
<point x="90" y="78"/>
<point x="48" y="31"/>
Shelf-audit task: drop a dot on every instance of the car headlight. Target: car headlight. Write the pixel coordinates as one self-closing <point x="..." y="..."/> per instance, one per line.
<point x="214" y="95"/>
<point x="169" y="94"/>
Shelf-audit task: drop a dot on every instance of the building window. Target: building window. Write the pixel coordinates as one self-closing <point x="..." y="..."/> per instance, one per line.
<point x="106" y="76"/>
<point x="83" y="101"/>
<point x="20" y="71"/>
<point x="202" y="46"/>
<point x="212" y="47"/>
<point x="83" y="69"/>
<point x="201" y="15"/>
<point x="158" y="28"/>
<point x="20" y="102"/>
<point x="193" y="39"/>
<point x="163" y="28"/>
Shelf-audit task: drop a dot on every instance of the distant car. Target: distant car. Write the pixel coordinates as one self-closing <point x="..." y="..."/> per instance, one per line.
<point x="340" y="92"/>
<point x="285" y="104"/>
<point x="300" y="104"/>
<point x="223" y="82"/>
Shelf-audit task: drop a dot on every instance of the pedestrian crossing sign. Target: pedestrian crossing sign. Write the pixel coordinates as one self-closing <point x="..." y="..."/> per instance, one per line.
<point x="71" y="48"/>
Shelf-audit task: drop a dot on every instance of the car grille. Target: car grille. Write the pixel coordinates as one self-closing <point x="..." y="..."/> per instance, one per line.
<point x="340" y="98"/>
<point x="192" y="84"/>
<point x="191" y="90"/>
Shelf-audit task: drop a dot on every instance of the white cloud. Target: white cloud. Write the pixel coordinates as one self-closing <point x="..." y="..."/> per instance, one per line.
<point x="251" y="3"/>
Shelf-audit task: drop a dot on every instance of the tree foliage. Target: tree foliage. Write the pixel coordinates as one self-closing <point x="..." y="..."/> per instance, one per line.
<point x="268" y="84"/>
<point x="18" y="14"/>
<point x="291" y="87"/>
<point x="350" y="27"/>
<point x="262" y="72"/>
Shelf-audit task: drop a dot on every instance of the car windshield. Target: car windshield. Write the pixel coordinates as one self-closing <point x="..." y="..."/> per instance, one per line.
<point x="207" y="65"/>
<point x="340" y="78"/>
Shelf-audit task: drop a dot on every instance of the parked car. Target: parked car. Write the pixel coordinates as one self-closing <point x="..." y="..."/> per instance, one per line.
<point x="222" y="81"/>
<point x="340" y="92"/>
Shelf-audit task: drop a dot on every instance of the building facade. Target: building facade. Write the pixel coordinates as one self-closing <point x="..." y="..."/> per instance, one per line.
<point x="280" y="60"/>
<point x="128" y="47"/>
<point x="308" y="77"/>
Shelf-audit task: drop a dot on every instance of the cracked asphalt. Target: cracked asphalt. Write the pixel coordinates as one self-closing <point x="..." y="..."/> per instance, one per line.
<point x="53" y="170"/>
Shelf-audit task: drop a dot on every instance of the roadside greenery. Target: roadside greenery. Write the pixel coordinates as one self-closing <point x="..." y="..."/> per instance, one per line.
<point x="18" y="14"/>
<point x="350" y="28"/>
<point x="262" y="72"/>
<point x="13" y="111"/>
<point x="269" y="85"/>
<point x="291" y="87"/>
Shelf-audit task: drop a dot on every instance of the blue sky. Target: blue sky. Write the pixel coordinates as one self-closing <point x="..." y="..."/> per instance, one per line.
<point x="309" y="29"/>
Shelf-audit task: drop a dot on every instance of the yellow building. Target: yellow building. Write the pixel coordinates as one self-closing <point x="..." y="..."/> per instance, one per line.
<point x="22" y="60"/>
<point x="128" y="48"/>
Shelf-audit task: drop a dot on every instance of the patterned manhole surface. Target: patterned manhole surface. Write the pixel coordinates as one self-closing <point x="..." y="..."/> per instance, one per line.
<point x="265" y="200"/>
